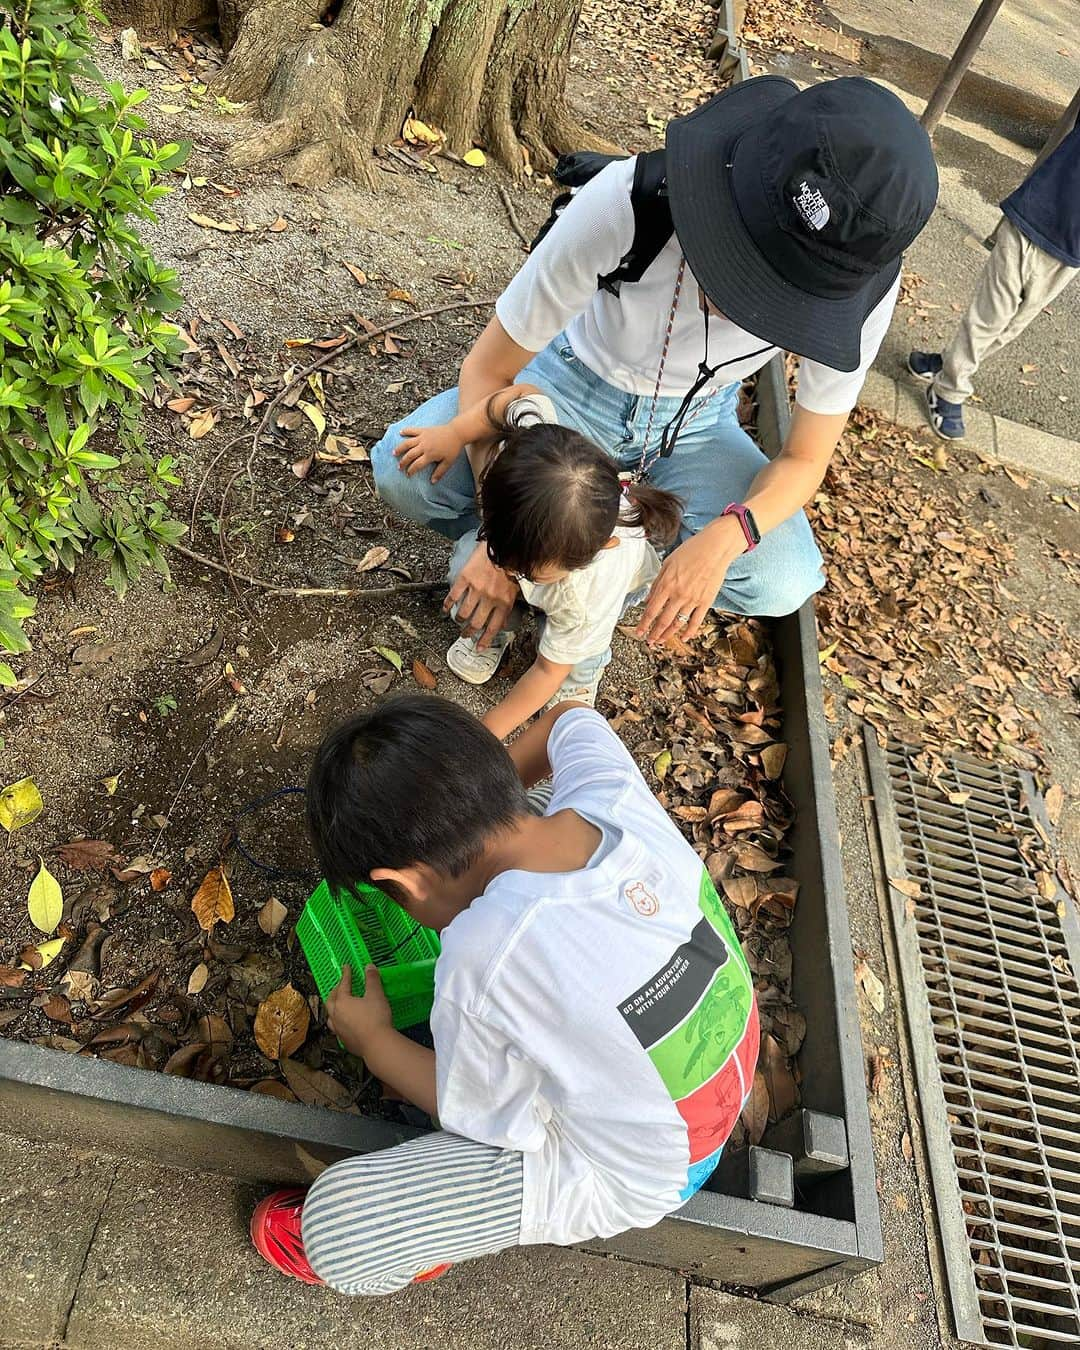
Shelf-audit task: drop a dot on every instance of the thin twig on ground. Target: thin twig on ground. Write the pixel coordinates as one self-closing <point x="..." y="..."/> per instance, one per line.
<point x="511" y="215"/>
<point x="310" y="592"/>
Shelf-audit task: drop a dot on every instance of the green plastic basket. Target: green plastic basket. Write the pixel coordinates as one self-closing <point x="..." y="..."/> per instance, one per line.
<point x="343" y="930"/>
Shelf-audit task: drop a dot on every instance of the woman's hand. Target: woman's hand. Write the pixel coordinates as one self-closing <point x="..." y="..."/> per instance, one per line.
<point x="421" y="446"/>
<point x="358" y="1021"/>
<point x="484" y="594"/>
<point x="690" y="578"/>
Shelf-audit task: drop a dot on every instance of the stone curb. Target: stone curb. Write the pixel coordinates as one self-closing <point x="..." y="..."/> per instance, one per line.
<point x="994" y="439"/>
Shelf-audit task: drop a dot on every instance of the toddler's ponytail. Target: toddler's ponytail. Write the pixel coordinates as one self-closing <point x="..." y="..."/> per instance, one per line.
<point x="657" y="512"/>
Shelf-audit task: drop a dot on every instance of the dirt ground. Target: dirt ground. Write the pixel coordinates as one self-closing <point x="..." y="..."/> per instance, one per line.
<point x="191" y="745"/>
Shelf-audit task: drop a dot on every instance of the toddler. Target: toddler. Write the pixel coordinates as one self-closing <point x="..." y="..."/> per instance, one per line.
<point x="557" y="519"/>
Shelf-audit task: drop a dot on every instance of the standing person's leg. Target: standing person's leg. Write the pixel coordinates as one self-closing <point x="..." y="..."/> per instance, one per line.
<point x="372" y="1223"/>
<point x="714" y="463"/>
<point x="1018" y="281"/>
<point x="449" y="505"/>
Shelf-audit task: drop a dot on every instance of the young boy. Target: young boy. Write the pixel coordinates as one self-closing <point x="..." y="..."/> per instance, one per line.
<point x="594" y="1021"/>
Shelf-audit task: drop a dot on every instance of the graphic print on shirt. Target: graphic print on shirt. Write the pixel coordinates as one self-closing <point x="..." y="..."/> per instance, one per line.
<point x="697" y="1021"/>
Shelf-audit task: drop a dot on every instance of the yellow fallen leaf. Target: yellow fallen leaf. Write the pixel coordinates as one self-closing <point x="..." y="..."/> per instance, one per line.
<point x="45" y="903"/>
<point x="315" y="416"/>
<point x="209" y="223"/>
<point x="475" y="159"/>
<point x="202" y="424"/>
<point x="20" y="804"/>
<point x="661" y="764"/>
<point x="419" y="133"/>
<point x="110" y="784"/>
<point x="48" y="951"/>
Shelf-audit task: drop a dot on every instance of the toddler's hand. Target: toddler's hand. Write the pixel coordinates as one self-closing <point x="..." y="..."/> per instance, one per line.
<point x="356" y="1020"/>
<point x="421" y="446"/>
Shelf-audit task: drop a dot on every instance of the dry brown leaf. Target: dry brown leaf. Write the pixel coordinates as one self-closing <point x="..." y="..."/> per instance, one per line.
<point x="723" y="801"/>
<point x="198" y="977"/>
<point x="213" y="901"/>
<point x="57" y="1009"/>
<point x="160" y="878"/>
<point x="1055" y="802"/>
<point x="270" y="1087"/>
<point x="181" y="405"/>
<point x="87" y="855"/>
<point x="358" y="274"/>
<point x="181" y="1062"/>
<point x="374" y="557"/>
<point x="424" y="677"/>
<point x="281" y="1023"/>
<point x="905" y="1146"/>
<point x="741" y="891"/>
<point x="755" y="1114"/>
<point x="313" y="1086"/>
<point x="11" y="978"/>
<point x="772" y="759"/>
<point x="871" y="986"/>
<point x="276" y="226"/>
<point x="779" y="1080"/>
<point x="906" y="887"/>
<point x="272" y="916"/>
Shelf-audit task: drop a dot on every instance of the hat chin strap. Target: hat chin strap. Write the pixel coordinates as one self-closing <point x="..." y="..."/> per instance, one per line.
<point x="705" y="373"/>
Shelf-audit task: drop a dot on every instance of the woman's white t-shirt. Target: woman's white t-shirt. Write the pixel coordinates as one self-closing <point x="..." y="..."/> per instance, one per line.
<point x="600" y="1021"/>
<point x="620" y="338"/>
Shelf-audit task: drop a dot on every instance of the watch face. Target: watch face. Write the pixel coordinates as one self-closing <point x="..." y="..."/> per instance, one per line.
<point x="751" y="525"/>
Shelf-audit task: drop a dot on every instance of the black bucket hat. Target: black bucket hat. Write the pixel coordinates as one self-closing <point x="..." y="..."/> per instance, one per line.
<point x="793" y="208"/>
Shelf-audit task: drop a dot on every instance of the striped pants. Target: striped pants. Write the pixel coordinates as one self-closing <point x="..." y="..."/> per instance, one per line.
<point x="372" y="1223"/>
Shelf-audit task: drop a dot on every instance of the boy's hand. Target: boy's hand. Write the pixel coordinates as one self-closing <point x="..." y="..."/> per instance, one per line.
<point x="439" y="445"/>
<point x="356" y="1021"/>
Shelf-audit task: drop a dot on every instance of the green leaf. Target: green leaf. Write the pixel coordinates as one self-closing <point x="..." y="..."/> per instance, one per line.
<point x="8" y="678"/>
<point x="45" y="903"/>
<point x="388" y="654"/>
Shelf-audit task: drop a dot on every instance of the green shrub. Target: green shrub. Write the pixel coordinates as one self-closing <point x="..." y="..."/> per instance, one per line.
<point x="82" y="337"/>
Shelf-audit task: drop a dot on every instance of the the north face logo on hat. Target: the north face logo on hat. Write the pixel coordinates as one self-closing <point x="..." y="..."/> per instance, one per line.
<point x="812" y="206"/>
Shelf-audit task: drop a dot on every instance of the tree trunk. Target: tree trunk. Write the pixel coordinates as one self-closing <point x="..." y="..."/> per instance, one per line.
<point x="334" y="78"/>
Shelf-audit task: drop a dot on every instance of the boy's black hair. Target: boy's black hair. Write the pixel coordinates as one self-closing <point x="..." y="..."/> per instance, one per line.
<point x="551" y="497"/>
<point x="415" y="779"/>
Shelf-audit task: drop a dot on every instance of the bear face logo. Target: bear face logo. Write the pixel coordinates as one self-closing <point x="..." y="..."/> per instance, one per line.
<point x="642" y="899"/>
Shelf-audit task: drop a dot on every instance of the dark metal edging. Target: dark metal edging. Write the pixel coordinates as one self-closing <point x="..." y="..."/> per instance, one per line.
<point x="774" y="421"/>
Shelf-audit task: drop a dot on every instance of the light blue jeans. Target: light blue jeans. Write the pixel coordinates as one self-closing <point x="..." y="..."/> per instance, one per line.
<point x="713" y="463"/>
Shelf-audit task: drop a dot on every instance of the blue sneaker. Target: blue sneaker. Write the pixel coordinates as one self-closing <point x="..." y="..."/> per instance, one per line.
<point x="947" y="419"/>
<point x="924" y="365"/>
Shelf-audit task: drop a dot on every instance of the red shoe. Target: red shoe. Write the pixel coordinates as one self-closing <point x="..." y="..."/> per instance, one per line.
<point x="433" y="1273"/>
<point x="275" y="1231"/>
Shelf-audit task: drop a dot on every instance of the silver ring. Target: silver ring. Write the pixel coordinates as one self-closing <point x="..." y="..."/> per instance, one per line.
<point x="684" y="618"/>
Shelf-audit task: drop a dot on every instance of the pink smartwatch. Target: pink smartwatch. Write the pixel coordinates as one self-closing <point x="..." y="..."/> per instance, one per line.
<point x="747" y="521"/>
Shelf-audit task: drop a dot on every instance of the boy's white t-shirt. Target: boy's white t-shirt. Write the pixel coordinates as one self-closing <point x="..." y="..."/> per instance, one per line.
<point x="600" y="1021"/>
<point x="583" y="608"/>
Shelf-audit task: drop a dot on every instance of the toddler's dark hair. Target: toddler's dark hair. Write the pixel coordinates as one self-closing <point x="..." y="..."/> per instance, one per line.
<point x="414" y="779"/>
<point x="551" y="497"/>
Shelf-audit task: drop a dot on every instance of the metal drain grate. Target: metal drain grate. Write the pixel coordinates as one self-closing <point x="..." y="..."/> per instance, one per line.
<point x="990" y="987"/>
